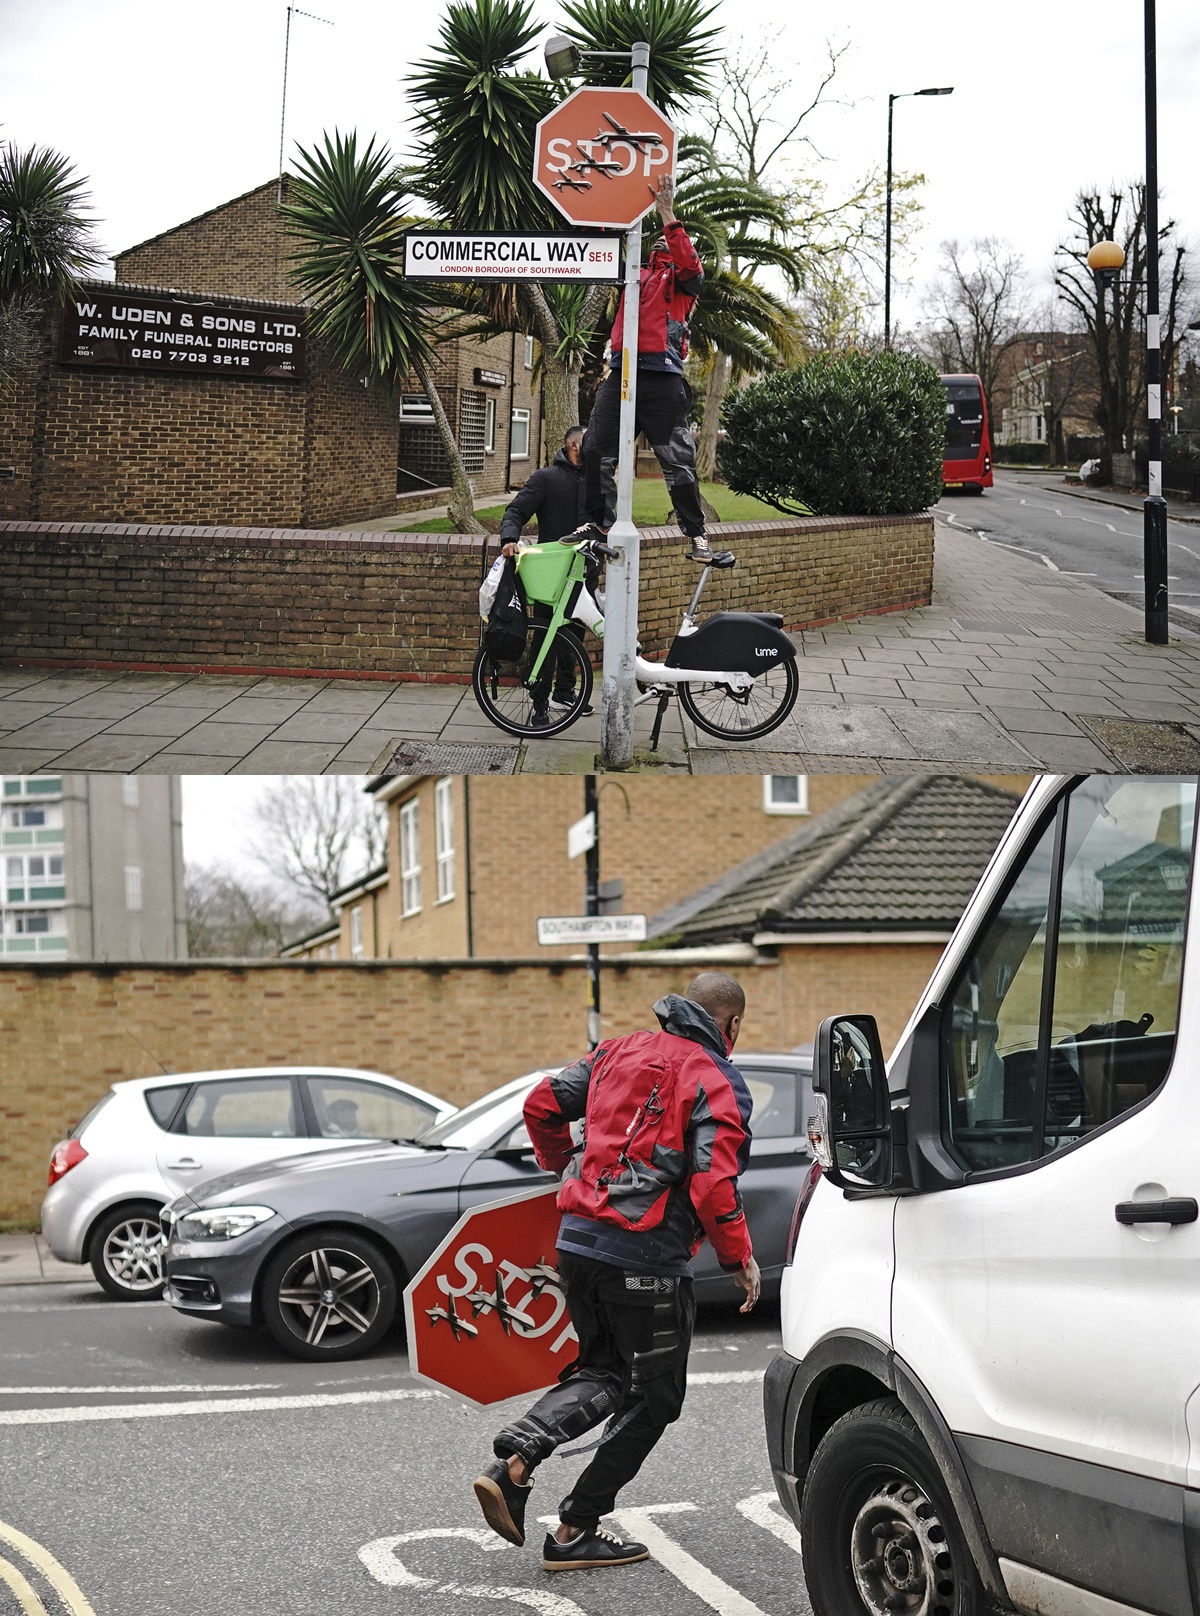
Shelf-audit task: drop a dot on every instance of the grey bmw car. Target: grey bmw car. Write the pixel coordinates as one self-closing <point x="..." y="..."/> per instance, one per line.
<point x="318" y="1249"/>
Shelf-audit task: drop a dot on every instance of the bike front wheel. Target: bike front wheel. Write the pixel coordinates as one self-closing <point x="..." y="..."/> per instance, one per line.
<point x="503" y="692"/>
<point x="743" y="715"/>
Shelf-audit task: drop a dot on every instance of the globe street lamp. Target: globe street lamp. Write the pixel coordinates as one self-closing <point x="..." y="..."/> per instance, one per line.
<point x="887" y="250"/>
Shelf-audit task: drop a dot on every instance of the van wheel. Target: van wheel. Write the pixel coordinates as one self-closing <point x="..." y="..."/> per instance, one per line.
<point x="125" y="1252"/>
<point x="329" y="1295"/>
<point x="878" y="1534"/>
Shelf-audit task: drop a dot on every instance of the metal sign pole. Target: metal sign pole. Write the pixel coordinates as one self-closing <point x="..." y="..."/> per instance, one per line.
<point x="1154" y="507"/>
<point x="591" y="805"/>
<point x="621" y="582"/>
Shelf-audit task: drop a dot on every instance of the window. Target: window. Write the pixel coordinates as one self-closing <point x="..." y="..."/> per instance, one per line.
<point x="33" y="785"/>
<point x="133" y="886"/>
<point x="356" y="942"/>
<point x="164" y="1102"/>
<point x="773" y="1091"/>
<point x="129" y="791"/>
<point x="348" y="1108"/>
<point x="785" y="793"/>
<point x="34" y="877"/>
<point x="410" y="860"/>
<point x="241" y="1108"/>
<point x="472" y="429"/>
<point x="31" y="923"/>
<point x="489" y="427"/>
<point x="415" y="407"/>
<point x="528" y="353"/>
<point x="1065" y="1014"/>
<point x="443" y="811"/>
<point x="520" y="435"/>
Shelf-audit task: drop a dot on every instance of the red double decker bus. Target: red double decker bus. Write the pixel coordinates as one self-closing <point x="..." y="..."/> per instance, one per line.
<point x="967" y="462"/>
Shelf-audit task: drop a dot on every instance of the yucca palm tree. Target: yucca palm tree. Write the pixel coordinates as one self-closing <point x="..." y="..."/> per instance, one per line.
<point x="347" y="215"/>
<point x="46" y="244"/>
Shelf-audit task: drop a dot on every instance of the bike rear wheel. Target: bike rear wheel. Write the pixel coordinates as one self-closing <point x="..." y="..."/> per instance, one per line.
<point x="503" y="692"/>
<point x="732" y="715"/>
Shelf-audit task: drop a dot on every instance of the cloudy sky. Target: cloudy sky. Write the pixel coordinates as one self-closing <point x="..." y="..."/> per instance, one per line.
<point x="172" y="108"/>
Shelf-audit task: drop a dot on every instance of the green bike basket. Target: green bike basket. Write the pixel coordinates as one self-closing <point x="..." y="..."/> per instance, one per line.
<point x="543" y="571"/>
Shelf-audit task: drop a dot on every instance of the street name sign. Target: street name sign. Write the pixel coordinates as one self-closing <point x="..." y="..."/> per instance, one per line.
<point x="599" y="155"/>
<point x="581" y="836"/>
<point x="442" y="255"/>
<point x="486" y="1315"/>
<point x="591" y="929"/>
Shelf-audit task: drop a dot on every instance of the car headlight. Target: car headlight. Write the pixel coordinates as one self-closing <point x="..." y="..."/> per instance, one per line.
<point x="220" y="1222"/>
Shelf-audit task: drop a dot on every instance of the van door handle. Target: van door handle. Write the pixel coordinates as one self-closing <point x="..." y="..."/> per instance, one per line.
<point x="1179" y="1209"/>
<point x="188" y="1164"/>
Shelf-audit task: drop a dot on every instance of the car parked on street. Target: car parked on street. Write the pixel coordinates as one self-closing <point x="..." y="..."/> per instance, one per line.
<point x="148" y="1138"/>
<point x="989" y="1390"/>
<point x="320" y="1249"/>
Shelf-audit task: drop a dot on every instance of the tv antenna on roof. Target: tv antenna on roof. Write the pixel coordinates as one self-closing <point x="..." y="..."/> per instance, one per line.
<point x="287" y="40"/>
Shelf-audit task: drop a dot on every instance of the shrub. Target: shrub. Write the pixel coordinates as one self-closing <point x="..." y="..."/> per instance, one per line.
<point x="1022" y="454"/>
<point x="852" y="434"/>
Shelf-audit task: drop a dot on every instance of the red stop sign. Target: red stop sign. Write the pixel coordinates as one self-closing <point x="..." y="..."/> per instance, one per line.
<point x="486" y="1315"/>
<point x="600" y="153"/>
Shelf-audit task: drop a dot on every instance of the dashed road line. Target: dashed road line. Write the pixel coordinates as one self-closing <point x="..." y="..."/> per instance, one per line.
<point x="140" y="1391"/>
<point x="55" y="1573"/>
<point x="216" y="1405"/>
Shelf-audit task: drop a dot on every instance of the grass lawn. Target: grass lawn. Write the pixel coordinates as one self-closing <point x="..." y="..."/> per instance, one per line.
<point x="651" y="506"/>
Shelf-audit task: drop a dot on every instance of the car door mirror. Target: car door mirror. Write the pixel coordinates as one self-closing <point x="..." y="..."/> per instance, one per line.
<point x="851" y="1130"/>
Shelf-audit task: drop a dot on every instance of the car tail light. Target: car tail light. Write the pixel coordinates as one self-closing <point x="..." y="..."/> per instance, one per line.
<point x="805" y="1196"/>
<point x="65" y="1156"/>
<point x="987" y="462"/>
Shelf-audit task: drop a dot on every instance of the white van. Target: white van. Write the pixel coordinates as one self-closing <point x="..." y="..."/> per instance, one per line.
<point x="990" y="1389"/>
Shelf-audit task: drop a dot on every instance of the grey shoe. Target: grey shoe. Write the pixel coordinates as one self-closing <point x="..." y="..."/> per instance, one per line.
<point x="587" y="1550"/>
<point x="700" y="550"/>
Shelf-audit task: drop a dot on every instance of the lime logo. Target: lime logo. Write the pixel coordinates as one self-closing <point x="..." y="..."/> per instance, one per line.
<point x="765" y="650"/>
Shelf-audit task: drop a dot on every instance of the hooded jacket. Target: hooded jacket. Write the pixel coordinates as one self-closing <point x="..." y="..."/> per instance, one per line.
<point x="666" y="1136"/>
<point x="670" y="285"/>
<point x="554" y="494"/>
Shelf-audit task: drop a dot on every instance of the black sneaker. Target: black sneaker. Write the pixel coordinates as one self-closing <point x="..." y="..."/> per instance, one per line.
<point x="562" y="698"/>
<point x="589" y="1550"/>
<point x="503" y="1501"/>
<point x="540" y="718"/>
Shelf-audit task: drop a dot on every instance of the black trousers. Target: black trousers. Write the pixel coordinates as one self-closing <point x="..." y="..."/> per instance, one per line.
<point x="635" y="1332"/>
<point x="661" y="413"/>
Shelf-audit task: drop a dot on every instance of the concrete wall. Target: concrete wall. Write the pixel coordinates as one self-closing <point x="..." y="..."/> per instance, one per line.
<point x="457" y="1028"/>
<point x="390" y="605"/>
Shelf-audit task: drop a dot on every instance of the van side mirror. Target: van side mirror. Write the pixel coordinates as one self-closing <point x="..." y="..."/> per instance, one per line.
<point x="851" y="1133"/>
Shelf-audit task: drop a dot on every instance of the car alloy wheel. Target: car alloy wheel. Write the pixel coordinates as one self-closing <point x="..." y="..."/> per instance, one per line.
<point x="329" y="1297"/>
<point x="127" y="1252"/>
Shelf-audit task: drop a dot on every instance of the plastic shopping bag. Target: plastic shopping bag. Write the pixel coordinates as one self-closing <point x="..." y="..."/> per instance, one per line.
<point x="489" y="587"/>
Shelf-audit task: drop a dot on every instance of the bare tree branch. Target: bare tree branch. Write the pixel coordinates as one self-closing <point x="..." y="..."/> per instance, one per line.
<point x="315" y="832"/>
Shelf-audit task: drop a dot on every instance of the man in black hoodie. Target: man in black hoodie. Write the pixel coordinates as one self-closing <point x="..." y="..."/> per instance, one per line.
<point x="554" y="494"/>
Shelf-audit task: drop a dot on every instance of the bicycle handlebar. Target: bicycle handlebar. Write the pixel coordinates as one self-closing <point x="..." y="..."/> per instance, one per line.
<point x="606" y="550"/>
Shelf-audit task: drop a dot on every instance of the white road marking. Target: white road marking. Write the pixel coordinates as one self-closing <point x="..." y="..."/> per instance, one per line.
<point x="217" y="1405"/>
<point x="72" y="1307"/>
<point x="1079" y="574"/>
<point x="694" y="1576"/>
<point x="141" y="1391"/>
<point x="56" y="1574"/>
<point x="29" y="1602"/>
<point x="381" y="1561"/>
<point x="725" y="1377"/>
<point x="760" y="1508"/>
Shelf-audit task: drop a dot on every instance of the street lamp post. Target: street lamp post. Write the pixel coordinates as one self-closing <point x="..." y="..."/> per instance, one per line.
<point x="887" y="249"/>
<point x="1154" y="508"/>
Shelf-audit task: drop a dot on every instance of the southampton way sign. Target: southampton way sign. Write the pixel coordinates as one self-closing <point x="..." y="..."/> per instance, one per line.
<point x="591" y="929"/>
<point x="486" y="1315"/>
<point x="599" y="154"/>
<point x="441" y="255"/>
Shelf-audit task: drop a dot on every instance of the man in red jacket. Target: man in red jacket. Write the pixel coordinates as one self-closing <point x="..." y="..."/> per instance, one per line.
<point x="666" y="1136"/>
<point x="670" y="285"/>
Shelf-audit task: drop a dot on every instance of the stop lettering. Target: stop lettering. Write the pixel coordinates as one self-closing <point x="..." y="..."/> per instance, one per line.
<point x="599" y="155"/>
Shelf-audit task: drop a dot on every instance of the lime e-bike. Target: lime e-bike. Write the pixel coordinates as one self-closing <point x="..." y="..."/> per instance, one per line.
<point x="735" y="673"/>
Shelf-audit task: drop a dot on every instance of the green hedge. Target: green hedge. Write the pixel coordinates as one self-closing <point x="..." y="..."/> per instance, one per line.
<point x="852" y="434"/>
<point x="1021" y="454"/>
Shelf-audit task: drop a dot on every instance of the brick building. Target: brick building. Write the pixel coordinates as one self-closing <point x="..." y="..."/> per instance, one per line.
<point x="126" y="444"/>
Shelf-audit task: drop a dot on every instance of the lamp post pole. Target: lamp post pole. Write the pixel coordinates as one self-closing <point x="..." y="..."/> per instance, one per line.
<point x="887" y="246"/>
<point x="621" y="578"/>
<point x="1154" y="508"/>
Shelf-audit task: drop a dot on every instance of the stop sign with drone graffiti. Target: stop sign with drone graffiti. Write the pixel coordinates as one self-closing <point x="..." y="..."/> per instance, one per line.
<point x="486" y="1315"/>
<point x="599" y="155"/>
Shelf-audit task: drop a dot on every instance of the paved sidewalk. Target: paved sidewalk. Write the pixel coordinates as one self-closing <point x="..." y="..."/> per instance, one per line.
<point x="26" y="1259"/>
<point x="1012" y="667"/>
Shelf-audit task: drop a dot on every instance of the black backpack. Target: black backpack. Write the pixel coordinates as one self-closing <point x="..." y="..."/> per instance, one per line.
<point x="508" y="621"/>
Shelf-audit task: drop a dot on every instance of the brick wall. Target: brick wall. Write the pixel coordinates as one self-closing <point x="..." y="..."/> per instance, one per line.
<point x="236" y="247"/>
<point x="389" y="605"/>
<point x="456" y="1028"/>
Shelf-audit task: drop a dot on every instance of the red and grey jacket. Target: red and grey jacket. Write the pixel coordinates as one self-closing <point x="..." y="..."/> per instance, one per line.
<point x="670" y="285"/>
<point x="666" y="1136"/>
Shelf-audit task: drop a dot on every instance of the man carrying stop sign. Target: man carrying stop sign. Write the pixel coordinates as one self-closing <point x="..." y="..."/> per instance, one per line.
<point x="666" y="1137"/>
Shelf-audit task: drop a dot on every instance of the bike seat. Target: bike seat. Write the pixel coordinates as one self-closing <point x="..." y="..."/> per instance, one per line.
<point x="723" y="558"/>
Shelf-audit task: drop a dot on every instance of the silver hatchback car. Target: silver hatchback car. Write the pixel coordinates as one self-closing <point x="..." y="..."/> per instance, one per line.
<point x="151" y="1138"/>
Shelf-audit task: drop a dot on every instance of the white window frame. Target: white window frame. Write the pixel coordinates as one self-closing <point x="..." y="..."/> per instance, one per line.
<point x="133" y="888"/>
<point x="129" y="790"/>
<point x="774" y="805"/>
<point x="356" y="932"/>
<point x="528" y="353"/>
<point x="443" y="814"/>
<point x="520" y="417"/>
<point x="489" y="426"/>
<point x="410" y="859"/>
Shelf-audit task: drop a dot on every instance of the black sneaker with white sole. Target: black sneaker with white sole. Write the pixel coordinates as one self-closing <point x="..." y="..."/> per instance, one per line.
<point x="589" y="1550"/>
<point x="503" y="1501"/>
